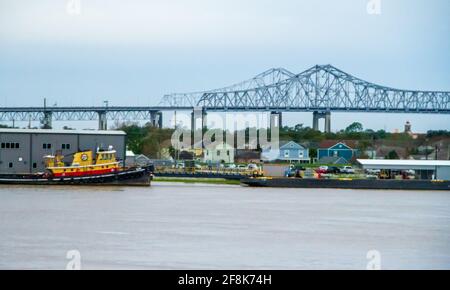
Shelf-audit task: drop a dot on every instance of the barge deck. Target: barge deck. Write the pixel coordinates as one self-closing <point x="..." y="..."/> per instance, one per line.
<point x="347" y="183"/>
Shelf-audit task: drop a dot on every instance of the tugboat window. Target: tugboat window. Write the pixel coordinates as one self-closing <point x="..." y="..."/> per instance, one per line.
<point x="17" y="145"/>
<point x="10" y="164"/>
<point x="3" y="145"/>
<point x="34" y="165"/>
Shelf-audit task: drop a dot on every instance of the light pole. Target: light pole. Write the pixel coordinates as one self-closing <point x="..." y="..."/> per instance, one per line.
<point x="436" y="150"/>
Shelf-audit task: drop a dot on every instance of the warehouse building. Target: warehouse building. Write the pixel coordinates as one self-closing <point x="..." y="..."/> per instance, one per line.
<point x="424" y="169"/>
<point x="22" y="150"/>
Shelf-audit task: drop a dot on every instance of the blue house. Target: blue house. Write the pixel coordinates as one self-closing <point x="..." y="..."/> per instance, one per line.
<point x="339" y="149"/>
<point x="288" y="151"/>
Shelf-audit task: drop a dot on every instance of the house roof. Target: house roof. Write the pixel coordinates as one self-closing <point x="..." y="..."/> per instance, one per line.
<point x="220" y="146"/>
<point x="330" y="143"/>
<point x="248" y="154"/>
<point x="333" y="160"/>
<point x="290" y="145"/>
<point x="142" y="156"/>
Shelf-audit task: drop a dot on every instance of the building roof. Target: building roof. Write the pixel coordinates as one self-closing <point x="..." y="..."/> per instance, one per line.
<point x="402" y="164"/>
<point x="248" y="154"/>
<point x="292" y="145"/>
<point x="51" y="131"/>
<point x="330" y="143"/>
<point x="332" y="160"/>
<point x="219" y="146"/>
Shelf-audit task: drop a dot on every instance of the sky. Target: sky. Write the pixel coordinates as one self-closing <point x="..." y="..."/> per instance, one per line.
<point x="82" y="52"/>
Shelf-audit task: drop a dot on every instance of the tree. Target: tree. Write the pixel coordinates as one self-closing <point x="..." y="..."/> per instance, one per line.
<point x="355" y="127"/>
<point x="392" y="155"/>
<point x="313" y="153"/>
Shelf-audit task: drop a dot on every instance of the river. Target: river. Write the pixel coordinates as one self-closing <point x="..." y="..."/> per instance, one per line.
<point x="187" y="226"/>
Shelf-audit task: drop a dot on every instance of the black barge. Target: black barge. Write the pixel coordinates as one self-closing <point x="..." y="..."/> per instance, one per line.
<point x="347" y="183"/>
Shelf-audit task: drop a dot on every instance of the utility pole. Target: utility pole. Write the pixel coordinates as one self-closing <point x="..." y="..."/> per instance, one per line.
<point x="448" y="152"/>
<point x="436" y="150"/>
<point x="175" y="120"/>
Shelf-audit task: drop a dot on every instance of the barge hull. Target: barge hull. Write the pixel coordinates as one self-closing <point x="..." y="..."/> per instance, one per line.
<point x="348" y="184"/>
<point x="126" y="178"/>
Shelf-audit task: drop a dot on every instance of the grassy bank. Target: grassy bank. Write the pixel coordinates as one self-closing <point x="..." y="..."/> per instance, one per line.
<point x="196" y="180"/>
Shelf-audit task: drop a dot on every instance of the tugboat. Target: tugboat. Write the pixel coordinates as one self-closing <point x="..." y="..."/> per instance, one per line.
<point x="83" y="164"/>
<point x="104" y="170"/>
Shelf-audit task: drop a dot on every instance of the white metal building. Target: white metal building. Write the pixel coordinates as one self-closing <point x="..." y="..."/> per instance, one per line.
<point x="440" y="169"/>
<point x="222" y="153"/>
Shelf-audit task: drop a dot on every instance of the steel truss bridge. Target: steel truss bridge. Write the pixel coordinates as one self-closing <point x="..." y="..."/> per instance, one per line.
<point x="321" y="89"/>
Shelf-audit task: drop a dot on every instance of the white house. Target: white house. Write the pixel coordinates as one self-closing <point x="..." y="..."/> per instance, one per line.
<point x="222" y="153"/>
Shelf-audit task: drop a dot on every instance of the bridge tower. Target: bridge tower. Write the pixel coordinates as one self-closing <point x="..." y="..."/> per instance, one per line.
<point x="47" y="120"/>
<point x="198" y="116"/>
<point x="322" y="115"/>
<point x="156" y="119"/>
<point x="102" y="121"/>
<point x="276" y="120"/>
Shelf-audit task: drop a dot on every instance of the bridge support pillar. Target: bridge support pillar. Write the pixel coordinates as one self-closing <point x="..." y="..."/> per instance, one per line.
<point x="156" y="119"/>
<point x="322" y="115"/>
<point x="102" y="121"/>
<point x="328" y="122"/>
<point x="316" y="117"/>
<point x="276" y="120"/>
<point x="198" y="125"/>
<point x="47" y="120"/>
<point x="198" y="116"/>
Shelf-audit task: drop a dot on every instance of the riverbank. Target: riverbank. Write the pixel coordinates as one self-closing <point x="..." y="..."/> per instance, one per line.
<point x="197" y="180"/>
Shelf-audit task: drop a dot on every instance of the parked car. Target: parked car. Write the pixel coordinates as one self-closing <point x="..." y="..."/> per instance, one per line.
<point x="252" y="167"/>
<point x="347" y="170"/>
<point x="373" y="171"/>
<point x="241" y="167"/>
<point x="230" y="166"/>
<point x="322" y="169"/>
<point x="289" y="172"/>
<point x="179" y="165"/>
<point x="333" y="170"/>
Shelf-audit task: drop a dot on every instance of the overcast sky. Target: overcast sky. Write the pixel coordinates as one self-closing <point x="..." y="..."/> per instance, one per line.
<point x="134" y="52"/>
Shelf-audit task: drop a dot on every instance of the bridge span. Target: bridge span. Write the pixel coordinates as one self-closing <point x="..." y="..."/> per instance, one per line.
<point x="320" y="90"/>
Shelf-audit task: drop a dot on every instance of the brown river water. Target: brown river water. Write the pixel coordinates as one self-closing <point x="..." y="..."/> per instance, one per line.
<point x="187" y="226"/>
